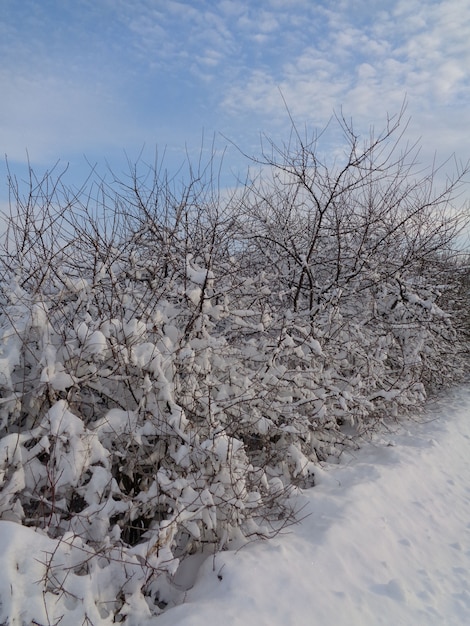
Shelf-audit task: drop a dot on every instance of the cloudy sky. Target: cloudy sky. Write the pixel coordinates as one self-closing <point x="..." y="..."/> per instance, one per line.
<point x="98" y="80"/>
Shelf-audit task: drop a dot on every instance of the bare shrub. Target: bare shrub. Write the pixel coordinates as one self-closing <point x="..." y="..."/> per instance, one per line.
<point x="175" y="359"/>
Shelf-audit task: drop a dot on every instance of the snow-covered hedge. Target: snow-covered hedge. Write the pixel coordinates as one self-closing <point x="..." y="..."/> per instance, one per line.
<point x="172" y="364"/>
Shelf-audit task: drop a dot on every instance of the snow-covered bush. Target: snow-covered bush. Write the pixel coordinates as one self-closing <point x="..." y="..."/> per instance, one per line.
<point x="172" y="362"/>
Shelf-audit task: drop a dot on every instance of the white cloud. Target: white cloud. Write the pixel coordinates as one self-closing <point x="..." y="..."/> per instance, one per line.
<point x="369" y="65"/>
<point x="227" y="63"/>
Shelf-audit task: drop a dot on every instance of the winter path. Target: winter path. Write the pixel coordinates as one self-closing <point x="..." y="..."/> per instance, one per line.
<point x="386" y="541"/>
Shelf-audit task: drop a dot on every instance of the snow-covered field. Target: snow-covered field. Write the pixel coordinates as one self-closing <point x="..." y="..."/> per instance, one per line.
<point x="385" y="540"/>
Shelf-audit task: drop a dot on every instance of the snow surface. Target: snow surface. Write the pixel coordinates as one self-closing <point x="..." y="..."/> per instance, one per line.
<point x="384" y="540"/>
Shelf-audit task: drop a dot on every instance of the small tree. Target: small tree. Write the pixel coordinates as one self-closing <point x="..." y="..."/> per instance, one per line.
<point x="369" y="237"/>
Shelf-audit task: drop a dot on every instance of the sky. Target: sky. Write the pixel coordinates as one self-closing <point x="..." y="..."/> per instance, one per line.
<point x="110" y="81"/>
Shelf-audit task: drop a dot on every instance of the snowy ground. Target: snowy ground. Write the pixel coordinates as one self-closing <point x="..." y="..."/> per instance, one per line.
<point x="386" y="541"/>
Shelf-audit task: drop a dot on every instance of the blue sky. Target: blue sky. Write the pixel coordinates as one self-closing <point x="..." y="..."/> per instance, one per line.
<point x="101" y="79"/>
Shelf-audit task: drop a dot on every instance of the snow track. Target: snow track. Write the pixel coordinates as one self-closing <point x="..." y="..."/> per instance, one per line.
<point x="386" y="541"/>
